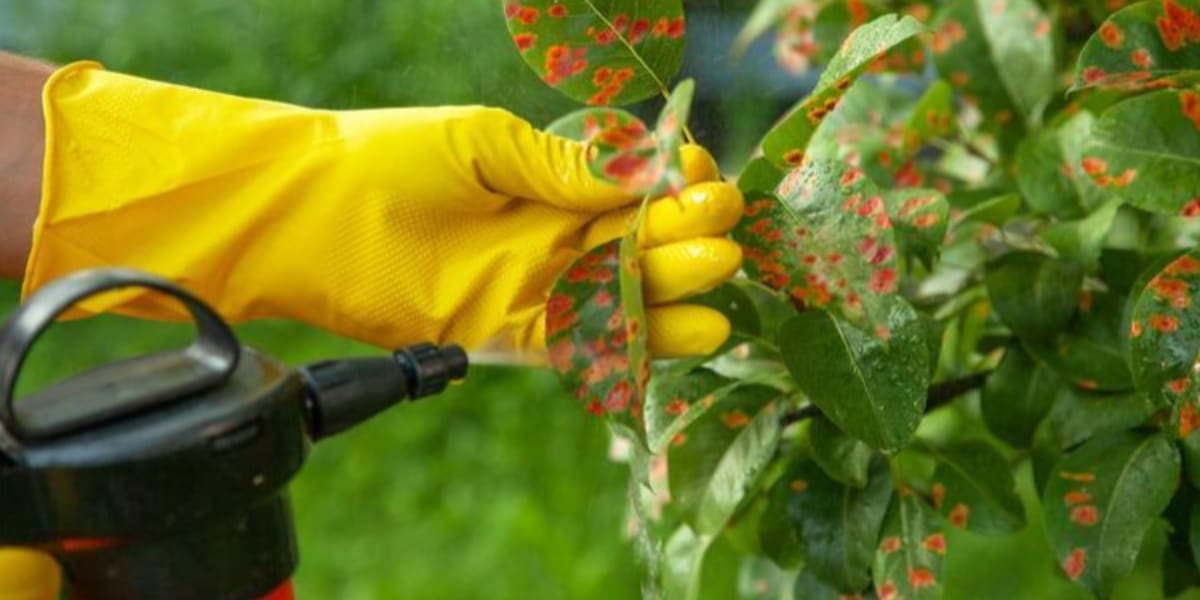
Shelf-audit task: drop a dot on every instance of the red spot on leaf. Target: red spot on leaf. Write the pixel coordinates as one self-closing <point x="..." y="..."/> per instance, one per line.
<point x="1085" y="516"/>
<point x="883" y="281"/>
<point x="1077" y="477"/>
<point x="887" y="591"/>
<point x="528" y="15"/>
<point x="1164" y="323"/>
<point x="557" y="11"/>
<point x="1142" y="58"/>
<point x="959" y="514"/>
<point x="798" y="485"/>
<point x="890" y="544"/>
<point x="735" y="419"/>
<point x="935" y="543"/>
<point x="939" y="494"/>
<point x="1111" y="35"/>
<point x="1189" y="420"/>
<point x="525" y="41"/>
<point x="921" y="577"/>
<point x="1077" y="497"/>
<point x="1075" y="563"/>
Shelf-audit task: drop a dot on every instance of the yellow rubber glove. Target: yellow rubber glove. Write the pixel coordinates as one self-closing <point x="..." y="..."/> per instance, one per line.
<point x="28" y="575"/>
<point x="390" y="226"/>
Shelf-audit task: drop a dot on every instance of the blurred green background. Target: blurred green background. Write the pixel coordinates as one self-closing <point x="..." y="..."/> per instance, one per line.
<point x="501" y="488"/>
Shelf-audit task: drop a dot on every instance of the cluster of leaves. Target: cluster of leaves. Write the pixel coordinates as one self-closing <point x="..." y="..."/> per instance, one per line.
<point x="988" y="194"/>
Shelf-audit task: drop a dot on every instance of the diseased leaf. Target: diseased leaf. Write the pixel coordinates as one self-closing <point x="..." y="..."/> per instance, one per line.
<point x="999" y="54"/>
<point x="843" y="458"/>
<point x="674" y="402"/>
<point x="829" y="244"/>
<point x="1164" y="332"/>
<point x="920" y="217"/>
<point x="600" y="51"/>
<point x="932" y="117"/>
<point x="1049" y="170"/>
<point x="713" y="461"/>
<point x="1033" y="294"/>
<point x="625" y="152"/>
<point x="834" y="525"/>
<point x="908" y="559"/>
<point x="784" y="145"/>
<point x="1146" y="150"/>
<point x="1101" y="499"/>
<point x="873" y="390"/>
<point x="1017" y="396"/>
<point x="973" y="488"/>
<point x="596" y="333"/>
<point x="1147" y="45"/>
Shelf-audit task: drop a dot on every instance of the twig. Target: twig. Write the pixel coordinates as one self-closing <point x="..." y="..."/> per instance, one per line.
<point x="939" y="395"/>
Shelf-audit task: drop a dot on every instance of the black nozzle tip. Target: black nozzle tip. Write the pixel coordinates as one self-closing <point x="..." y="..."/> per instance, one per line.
<point x="431" y="369"/>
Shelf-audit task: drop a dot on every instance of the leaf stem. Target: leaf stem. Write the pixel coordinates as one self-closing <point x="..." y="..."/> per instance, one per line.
<point x="938" y="396"/>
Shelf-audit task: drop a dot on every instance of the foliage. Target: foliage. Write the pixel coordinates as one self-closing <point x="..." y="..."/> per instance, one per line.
<point x="982" y="209"/>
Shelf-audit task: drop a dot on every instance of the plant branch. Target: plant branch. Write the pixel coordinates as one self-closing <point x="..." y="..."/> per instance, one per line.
<point x="938" y="396"/>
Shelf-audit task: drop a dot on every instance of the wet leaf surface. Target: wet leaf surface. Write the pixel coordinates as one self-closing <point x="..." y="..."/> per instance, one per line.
<point x="1164" y="332"/>
<point x="596" y="333"/>
<point x="873" y="390"/>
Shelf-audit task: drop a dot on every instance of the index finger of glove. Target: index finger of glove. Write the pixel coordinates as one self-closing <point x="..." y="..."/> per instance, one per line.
<point x="515" y="159"/>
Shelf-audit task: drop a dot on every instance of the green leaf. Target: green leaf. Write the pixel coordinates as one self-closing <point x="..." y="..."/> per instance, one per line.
<point x="1146" y="150"/>
<point x="1017" y="396"/>
<point x="1082" y="240"/>
<point x="843" y="458"/>
<point x="733" y="301"/>
<point x="920" y="217"/>
<point x="759" y="175"/>
<point x="830" y="244"/>
<point x="784" y="145"/>
<point x="715" y="459"/>
<point x="834" y="525"/>
<point x="600" y="51"/>
<point x="1050" y="172"/>
<point x="996" y="210"/>
<point x="973" y="487"/>
<point x="1165" y="341"/>
<point x="674" y="402"/>
<point x="596" y="333"/>
<point x="908" y="560"/>
<point x="1033" y="294"/>
<point x="1000" y="56"/>
<point x="1100" y="501"/>
<point x="873" y="390"/>
<point x="1147" y="45"/>
<point x="1090" y="353"/>
<point x="1194" y="530"/>
<point x="698" y="567"/>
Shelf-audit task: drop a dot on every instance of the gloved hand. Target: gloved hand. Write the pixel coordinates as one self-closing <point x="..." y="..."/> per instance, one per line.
<point x="390" y="226"/>
<point x="28" y="575"/>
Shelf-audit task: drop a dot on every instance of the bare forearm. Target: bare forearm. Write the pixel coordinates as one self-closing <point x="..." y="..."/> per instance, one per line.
<point x="21" y="147"/>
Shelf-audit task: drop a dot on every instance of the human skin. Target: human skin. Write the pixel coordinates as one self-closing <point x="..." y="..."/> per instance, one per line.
<point x="22" y="142"/>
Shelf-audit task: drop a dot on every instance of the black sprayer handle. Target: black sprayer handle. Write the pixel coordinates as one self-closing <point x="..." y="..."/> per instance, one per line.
<point x="105" y="393"/>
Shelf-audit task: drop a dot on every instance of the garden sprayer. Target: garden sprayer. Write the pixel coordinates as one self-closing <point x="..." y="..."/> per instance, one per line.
<point x="165" y="476"/>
